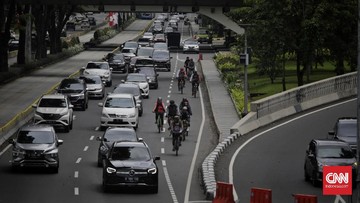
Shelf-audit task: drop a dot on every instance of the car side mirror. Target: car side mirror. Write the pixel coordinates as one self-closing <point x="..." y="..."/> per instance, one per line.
<point x="71" y="106"/>
<point x="98" y="138"/>
<point x="156" y="158"/>
<point x="82" y="68"/>
<point x="11" y="141"/>
<point x="140" y="139"/>
<point x="60" y="142"/>
<point x="101" y="104"/>
<point x="157" y="74"/>
<point x="34" y="105"/>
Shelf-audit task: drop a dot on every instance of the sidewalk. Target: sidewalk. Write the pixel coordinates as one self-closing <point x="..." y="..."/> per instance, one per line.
<point x="225" y="116"/>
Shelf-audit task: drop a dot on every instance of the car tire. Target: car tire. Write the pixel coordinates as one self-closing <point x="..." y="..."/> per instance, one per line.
<point x="99" y="162"/>
<point x="105" y="187"/>
<point x="154" y="189"/>
<point x="306" y="176"/>
<point x="314" y="181"/>
<point x="140" y="113"/>
<point x="67" y="128"/>
<point x="71" y="125"/>
<point x="55" y="170"/>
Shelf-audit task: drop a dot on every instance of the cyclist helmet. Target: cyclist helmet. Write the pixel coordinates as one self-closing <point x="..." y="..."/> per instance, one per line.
<point x="159" y="100"/>
<point x="172" y="102"/>
<point x="187" y="57"/>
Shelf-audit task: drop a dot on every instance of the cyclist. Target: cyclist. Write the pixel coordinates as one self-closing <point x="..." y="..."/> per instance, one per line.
<point x="186" y="64"/>
<point x="176" y="129"/>
<point x="191" y="67"/>
<point x="185" y="115"/>
<point x="195" y="78"/>
<point x="185" y="103"/>
<point x="181" y="75"/>
<point x="159" y="110"/>
<point x="171" y="112"/>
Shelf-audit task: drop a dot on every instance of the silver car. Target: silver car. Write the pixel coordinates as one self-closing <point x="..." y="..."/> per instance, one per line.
<point x="190" y="46"/>
<point x="95" y="86"/>
<point x="36" y="146"/>
<point x="133" y="89"/>
<point x="100" y="68"/>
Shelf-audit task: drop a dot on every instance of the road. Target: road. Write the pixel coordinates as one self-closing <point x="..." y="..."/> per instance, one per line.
<point x="79" y="179"/>
<point x="273" y="157"/>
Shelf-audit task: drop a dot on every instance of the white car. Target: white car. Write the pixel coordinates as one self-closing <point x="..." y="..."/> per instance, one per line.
<point x="190" y="46"/>
<point x="100" y="68"/>
<point x="119" y="110"/>
<point x="141" y="80"/>
<point x="55" y="110"/>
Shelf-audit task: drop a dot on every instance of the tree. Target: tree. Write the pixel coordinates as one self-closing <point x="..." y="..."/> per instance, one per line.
<point x="6" y="16"/>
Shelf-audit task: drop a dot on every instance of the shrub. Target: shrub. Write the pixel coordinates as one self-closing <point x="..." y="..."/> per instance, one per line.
<point x="227" y="57"/>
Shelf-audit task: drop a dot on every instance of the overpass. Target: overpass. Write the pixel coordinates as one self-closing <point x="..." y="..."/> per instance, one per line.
<point x="212" y="8"/>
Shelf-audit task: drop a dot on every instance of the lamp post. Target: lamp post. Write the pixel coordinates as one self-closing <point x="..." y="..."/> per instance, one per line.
<point x="245" y="75"/>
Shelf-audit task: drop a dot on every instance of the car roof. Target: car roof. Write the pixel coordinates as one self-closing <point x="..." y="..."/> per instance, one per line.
<point x="53" y="96"/>
<point x="129" y="144"/>
<point x="347" y="120"/>
<point x="327" y="142"/>
<point x="119" y="95"/>
<point x="72" y="80"/>
<point x="33" y="127"/>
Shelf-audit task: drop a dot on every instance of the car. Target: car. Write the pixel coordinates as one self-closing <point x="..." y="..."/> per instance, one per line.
<point x="173" y="25"/>
<point x="116" y="62"/>
<point x="133" y="89"/>
<point x="130" y="164"/>
<point x="345" y="129"/>
<point x="160" y="45"/>
<point x="119" y="110"/>
<point x="70" y="25"/>
<point x="140" y="61"/>
<point x="111" y="135"/>
<point x="151" y="76"/>
<point x="139" y="79"/>
<point x="168" y="29"/>
<point x="158" y="28"/>
<point x="95" y="86"/>
<point x="148" y="35"/>
<point x="327" y="152"/>
<point x="159" y="38"/>
<point x="85" y="24"/>
<point x="162" y="59"/>
<point x="145" y="51"/>
<point x="130" y="45"/>
<point x="36" y="146"/>
<point x="92" y="20"/>
<point x="203" y="35"/>
<point x="13" y="44"/>
<point x="190" y="46"/>
<point x="76" y="90"/>
<point x="101" y="68"/>
<point x="55" y="110"/>
<point x="144" y="42"/>
<point x="128" y="54"/>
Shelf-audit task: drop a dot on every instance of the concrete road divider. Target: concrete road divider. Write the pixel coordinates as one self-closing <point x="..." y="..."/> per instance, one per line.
<point x="301" y="198"/>
<point x="224" y="193"/>
<point x="260" y="195"/>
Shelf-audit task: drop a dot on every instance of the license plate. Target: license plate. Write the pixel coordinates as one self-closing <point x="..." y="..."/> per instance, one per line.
<point x="118" y="120"/>
<point x="132" y="179"/>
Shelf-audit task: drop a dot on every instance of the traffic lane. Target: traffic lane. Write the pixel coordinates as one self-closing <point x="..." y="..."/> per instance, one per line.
<point x="280" y="167"/>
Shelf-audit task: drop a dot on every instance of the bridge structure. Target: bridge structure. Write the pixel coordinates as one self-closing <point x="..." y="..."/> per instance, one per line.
<point x="214" y="9"/>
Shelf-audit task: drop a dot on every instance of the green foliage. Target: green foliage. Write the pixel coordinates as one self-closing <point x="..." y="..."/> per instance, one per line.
<point x="98" y="34"/>
<point x="238" y="98"/>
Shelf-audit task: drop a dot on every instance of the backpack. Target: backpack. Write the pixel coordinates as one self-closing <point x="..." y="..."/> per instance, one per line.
<point x="172" y="110"/>
<point x="160" y="108"/>
<point x="181" y="74"/>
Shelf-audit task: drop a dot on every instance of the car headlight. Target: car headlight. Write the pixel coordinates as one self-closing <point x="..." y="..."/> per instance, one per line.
<point x="152" y="170"/>
<point x="107" y="73"/>
<point x="110" y="170"/>
<point x="354" y="164"/>
<point x="64" y="112"/>
<point x="18" y="153"/>
<point x="86" y="72"/>
<point x="132" y="115"/>
<point x="320" y="166"/>
<point x="38" y="113"/>
<point x="104" y="114"/>
<point x="51" y="155"/>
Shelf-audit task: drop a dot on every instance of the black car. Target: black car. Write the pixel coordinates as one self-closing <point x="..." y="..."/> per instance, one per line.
<point x="162" y="59"/>
<point x="130" y="164"/>
<point x="151" y="75"/>
<point x="76" y="90"/>
<point x="116" y="62"/>
<point x="92" y="21"/>
<point x="140" y="61"/>
<point x="346" y="129"/>
<point x="128" y="54"/>
<point x="111" y="135"/>
<point x="327" y="152"/>
<point x="36" y="146"/>
<point x="134" y="89"/>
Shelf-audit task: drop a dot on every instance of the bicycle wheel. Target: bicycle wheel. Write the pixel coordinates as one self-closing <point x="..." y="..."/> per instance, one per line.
<point x="158" y="122"/>
<point x="176" y="144"/>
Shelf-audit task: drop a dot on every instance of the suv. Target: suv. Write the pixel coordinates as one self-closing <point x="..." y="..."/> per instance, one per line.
<point x="346" y="129"/>
<point x="100" y="68"/>
<point x="326" y="152"/>
<point x="162" y="59"/>
<point x="76" y="89"/>
<point x="36" y="146"/>
<point x="54" y="109"/>
<point x="119" y="110"/>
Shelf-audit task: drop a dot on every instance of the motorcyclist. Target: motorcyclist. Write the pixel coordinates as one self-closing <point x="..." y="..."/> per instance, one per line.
<point x="186" y="63"/>
<point x="176" y="129"/>
<point x="185" y="103"/>
<point x="171" y="112"/>
<point x="181" y="76"/>
<point x="159" y="110"/>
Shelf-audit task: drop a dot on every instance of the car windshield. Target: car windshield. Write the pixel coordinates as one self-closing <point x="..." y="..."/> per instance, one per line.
<point x="136" y="78"/>
<point x="52" y="103"/>
<point x="127" y="51"/>
<point x="71" y="87"/>
<point x="93" y="80"/>
<point x="118" y="57"/>
<point x="145" y="52"/>
<point x="131" y="44"/>
<point x="190" y="42"/>
<point x="35" y="137"/>
<point x="348" y="129"/>
<point x="116" y="135"/>
<point x="161" y="55"/>
<point x="148" y="34"/>
<point x="97" y="66"/>
<point x="147" y="71"/>
<point x="342" y="152"/>
<point x="119" y="103"/>
<point x="130" y="154"/>
<point x="143" y="40"/>
<point x="127" y="90"/>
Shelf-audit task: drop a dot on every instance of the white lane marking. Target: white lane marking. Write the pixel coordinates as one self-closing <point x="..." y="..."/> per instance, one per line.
<point x="170" y="87"/>
<point x="168" y="181"/>
<point x="193" y="162"/>
<point x="86" y="148"/>
<point x="339" y="199"/>
<point x="232" y="161"/>
<point x="169" y="91"/>
<point x="76" y="191"/>
<point x="4" y="150"/>
<point x="163" y="162"/>
<point x="168" y="96"/>
<point x="162" y="139"/>
<point x="78" y="160"/>
<point x="97" y="128"/>
<point x="162" y="151"/>
<point x="76" y="174"/>
<point x="92" y="137"/>
<point x="167" y="101"/>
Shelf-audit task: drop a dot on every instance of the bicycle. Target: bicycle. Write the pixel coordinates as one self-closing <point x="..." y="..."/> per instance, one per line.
<point x="159" y="123"/>
<point x="176" y="141"/>
<point x="194" y="89"/>
<point x="185" y="132"/>
<point x="170" y="120"/>
<point x="181" y="86"/>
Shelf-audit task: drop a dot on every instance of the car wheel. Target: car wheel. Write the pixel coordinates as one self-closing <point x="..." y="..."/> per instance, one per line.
<point x="156" y="86"/>
<point x="105" y="187"/>
<point x="71" y="125"/>
<point x="67" y="128"/>
<point x="83" y="107"/>
<point x="314" y="180"/>
<point x="154" y="189"/>
<point x="55" y="170"/>
<point x="141" y="112"/>
<point x="99" y="162"/>
<point x="307" y="177"/>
